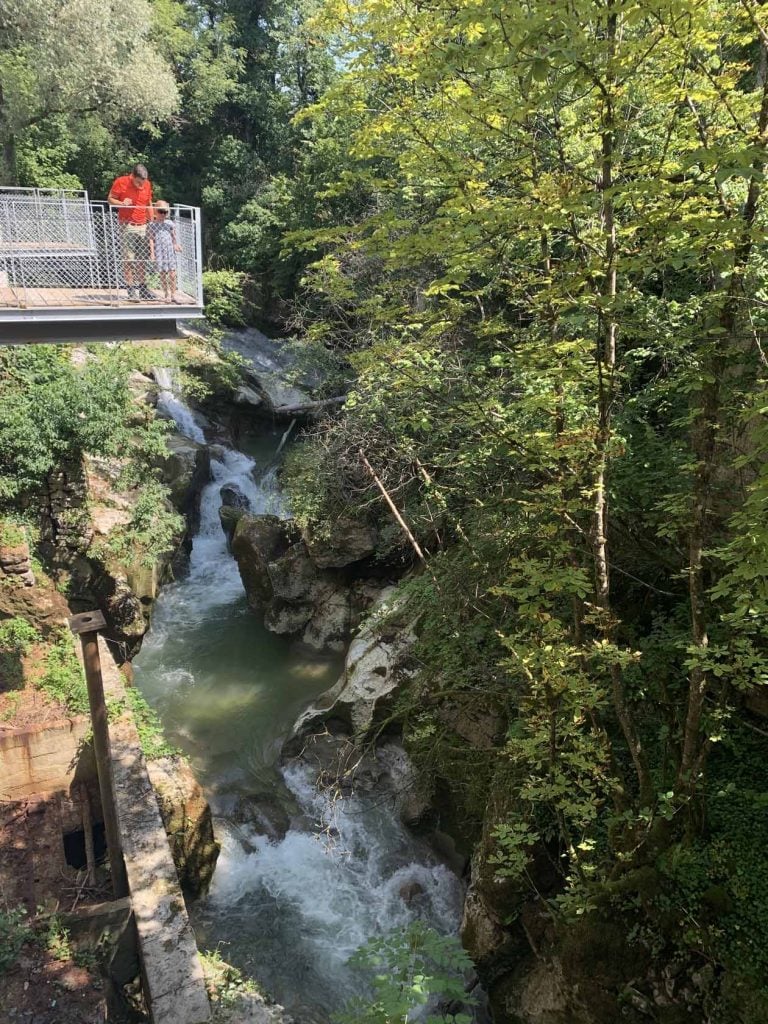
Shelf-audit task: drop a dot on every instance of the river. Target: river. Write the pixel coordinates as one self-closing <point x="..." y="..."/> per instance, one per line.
<point x="288" y="909"/>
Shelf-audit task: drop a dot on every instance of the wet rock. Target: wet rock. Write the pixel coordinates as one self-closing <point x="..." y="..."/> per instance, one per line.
<point x="374" y="668"/>
<point x="410" y="891"/>
<point x="229" y="517"/>
<point x="287" y="619"/>
<point x="185" y="470"/>
<point x="188" y="822"/>
<point x="350" y="541"/>
<point x="263" y="815"/>
<point x="232" y="497"/>
<point x="257" y="541"/>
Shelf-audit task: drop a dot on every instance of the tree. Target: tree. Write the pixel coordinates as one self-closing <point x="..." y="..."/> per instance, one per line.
<point x="74" y="57"/>
<point x="552" y="300"/>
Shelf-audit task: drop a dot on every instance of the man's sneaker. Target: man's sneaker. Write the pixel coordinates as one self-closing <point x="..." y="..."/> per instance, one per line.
<point x="145" y="293"/>
<point x="133" y="295"/>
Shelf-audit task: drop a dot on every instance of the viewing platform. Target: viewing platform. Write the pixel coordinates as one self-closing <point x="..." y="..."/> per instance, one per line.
<point x="63" y="262"/>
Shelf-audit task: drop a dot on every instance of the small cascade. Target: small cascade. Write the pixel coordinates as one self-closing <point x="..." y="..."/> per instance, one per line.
<point x="174" y="408"/>
<point x="320" y="893"/>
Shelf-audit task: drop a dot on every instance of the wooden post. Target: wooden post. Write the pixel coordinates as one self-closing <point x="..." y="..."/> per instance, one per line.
<point x="86" y="626"/>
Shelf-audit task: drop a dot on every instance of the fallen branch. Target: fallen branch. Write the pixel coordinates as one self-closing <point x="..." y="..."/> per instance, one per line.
<point x="393" y="508"/>
<point x="309" y="408"/>
<point x="286" y="435"/>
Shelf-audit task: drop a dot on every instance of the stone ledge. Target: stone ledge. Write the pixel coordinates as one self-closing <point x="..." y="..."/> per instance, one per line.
<point x="171" y="967"/>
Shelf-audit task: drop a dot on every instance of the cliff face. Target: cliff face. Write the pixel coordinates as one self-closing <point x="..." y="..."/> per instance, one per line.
<point x="315" y="589"/>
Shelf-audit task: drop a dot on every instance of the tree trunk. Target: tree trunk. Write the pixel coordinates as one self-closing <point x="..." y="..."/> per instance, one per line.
<point x="606" y="368"/>
<point x="704" y="445"/>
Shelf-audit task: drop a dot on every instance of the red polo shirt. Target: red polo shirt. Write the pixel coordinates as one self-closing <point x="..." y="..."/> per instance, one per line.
<point x="138" y="212"/>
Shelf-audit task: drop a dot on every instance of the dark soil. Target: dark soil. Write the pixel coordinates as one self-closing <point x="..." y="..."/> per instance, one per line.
<point x="38" y="989"/>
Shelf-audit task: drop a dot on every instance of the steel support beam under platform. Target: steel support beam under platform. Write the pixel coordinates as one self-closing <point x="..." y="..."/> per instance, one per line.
<point x="48" y="333"/>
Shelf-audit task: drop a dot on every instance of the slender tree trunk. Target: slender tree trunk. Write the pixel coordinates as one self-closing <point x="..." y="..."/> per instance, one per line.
<point x="704" y="444"/>
<point x="9" y="168"/>
<point x="606" y="367"/>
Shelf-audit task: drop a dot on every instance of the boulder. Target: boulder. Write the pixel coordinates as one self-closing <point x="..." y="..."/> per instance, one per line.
<point x="263" y="815"/>
<point x="257" y="541"/>
<point x="287" y="619"/>
<point x="293" y="574"/>
<point x="246" y="395"/>
<point x="350" y="541"/>
<point x="122" y="609"/>
<point x="188" y="822"/>
<point x="229" y="517"/>
<point x="374" y="668"/>
<point x="185" y="470"/>
<point x="329" y="626"/>
<point x="232" y="497"/>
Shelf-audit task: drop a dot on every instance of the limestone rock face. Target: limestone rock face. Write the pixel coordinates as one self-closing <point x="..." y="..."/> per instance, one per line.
<point x="350" y="541"/>
<point x="188" y="822"/>
<point x="186" y="469"/>
<point x="268" y="363"/>
<point x="287" y="619"/>
<point x="257" y="541"/>
<point x="283" y="578"/>
<point x="331" y="622"/>
<point x="293" y="574"/>
<point x="374" y="667"/>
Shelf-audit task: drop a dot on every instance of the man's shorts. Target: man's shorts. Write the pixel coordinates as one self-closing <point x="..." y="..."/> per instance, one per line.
<point x="135" y="244"/>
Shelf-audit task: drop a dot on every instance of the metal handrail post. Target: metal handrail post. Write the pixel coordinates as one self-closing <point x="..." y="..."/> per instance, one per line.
<point x="198" y="254"/>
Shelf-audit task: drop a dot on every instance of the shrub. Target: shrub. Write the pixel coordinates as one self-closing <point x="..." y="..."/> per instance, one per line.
<point x="63" y="678"/>
<point x="14" y="932"/>
<point x="229" y="298"/>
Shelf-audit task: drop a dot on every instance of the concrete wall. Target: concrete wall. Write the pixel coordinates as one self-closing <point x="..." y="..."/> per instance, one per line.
<point x="171" y="969"/>
<point x="43" y="759"/>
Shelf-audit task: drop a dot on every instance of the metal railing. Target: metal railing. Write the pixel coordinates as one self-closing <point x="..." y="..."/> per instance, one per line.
<point x="59" y="251"/>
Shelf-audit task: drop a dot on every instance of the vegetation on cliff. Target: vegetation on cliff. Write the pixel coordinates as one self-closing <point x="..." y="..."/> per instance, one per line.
<point x="550" y="293"/>
<point x="532" y="235"/>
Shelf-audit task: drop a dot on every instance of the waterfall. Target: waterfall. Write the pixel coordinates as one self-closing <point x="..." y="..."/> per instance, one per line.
<point x="289" y="912"/>
<point x="174" y="408"/>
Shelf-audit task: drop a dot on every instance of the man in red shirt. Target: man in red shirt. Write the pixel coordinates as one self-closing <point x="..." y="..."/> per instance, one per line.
<point x="133" y="194"/>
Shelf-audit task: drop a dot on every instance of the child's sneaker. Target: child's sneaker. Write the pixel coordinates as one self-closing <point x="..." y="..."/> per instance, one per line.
<point x="133" y="295"/>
